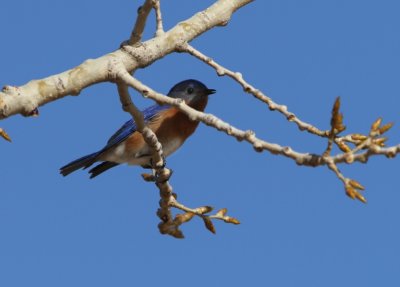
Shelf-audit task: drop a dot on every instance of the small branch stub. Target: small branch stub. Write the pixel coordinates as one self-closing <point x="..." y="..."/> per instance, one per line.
<point x="4" y="135"/>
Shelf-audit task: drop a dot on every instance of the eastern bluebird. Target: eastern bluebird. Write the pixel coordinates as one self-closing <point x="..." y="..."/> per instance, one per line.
<point x="171" y="126"/>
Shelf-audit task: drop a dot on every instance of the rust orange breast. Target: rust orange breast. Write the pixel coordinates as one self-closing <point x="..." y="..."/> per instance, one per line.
<point x="170" y="125"/>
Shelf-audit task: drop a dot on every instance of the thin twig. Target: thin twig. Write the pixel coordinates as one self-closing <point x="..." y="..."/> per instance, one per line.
<point x="162" y="174"/>
<point x="148" y="135"/>
<point x="129" y="107"/>
<point x="159" y="21"/>
<point x="310" y="160"/>
<point x="352" y="187"/>
<point x="201" y="212"/>
<point x="143" y="13"/>
<point x="249" y="136"/>
<point x="238" y="77"/>
<point x="332" y="166"/>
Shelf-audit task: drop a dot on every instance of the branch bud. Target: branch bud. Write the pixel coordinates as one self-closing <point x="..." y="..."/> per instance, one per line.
<point x="358" y="137"/>
<point x="4" y="135"/>
<point x="385" y="128"/>
<point x="231" y="220"/>
<point x="148" y="177"/>
<point x="376" y="124"/>
<point x="344" y="147"/>
<point x="354" y="194"/>
<point x="204" y="209"/>
<point x="380" y="141"/>
<point x="356" y="184"/>
<point x="337" y="118"/>
<point x="221" y="212"/>
<point x="182" y="218"/>
<point x="209" y="225"/>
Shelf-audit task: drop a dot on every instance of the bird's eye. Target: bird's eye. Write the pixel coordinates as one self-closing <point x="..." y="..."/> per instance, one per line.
<point x="190" y="90"/>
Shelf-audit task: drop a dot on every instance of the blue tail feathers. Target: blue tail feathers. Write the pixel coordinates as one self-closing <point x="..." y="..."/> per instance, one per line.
<point x="83" y="162"/>
<point x="100" y="168"/>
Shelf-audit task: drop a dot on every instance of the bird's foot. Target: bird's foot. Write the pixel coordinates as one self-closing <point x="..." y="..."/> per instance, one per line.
<point x="156" y="165"/>
<point x="164" y="175"/>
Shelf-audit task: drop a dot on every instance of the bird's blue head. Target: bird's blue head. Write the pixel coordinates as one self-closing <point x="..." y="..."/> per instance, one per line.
<point x="193" y="92"/>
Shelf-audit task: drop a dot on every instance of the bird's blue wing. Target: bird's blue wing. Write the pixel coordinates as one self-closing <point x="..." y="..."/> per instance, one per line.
<point x="129" y="127"/>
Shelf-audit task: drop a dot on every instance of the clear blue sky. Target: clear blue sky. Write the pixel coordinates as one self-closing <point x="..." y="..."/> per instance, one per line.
<point x="298" y="227"/>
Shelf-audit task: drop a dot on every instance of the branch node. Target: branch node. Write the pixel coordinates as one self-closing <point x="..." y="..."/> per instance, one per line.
<point x="34" y="113"/>
<point x="258" y="146"/>
<point x="291" y="117"/>
<point x="286" y="150"/>
<point x="220" y="72"/>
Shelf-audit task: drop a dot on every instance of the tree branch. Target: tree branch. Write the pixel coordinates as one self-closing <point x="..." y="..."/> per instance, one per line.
<point x="238" y="77"/>
<point x="371" y="147"/>
<point x="27" y="98"/>
<point x="119" y="66"/>
<point x="148" y="135"/>
<point x="159" y="22"/>
<point x="137" y="32"/>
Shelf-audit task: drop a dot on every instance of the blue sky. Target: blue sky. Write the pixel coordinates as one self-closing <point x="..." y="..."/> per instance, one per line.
<point x="298" y="227"/>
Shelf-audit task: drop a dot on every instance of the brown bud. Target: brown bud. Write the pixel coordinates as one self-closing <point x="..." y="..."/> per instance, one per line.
<point x="361" y="198"/>
<point x="385" y="128"/>
<point x="350" y="192"/>
<point x="221" y="212"/>
<point x="148" y="177"/>
<point x="185" y="217"/>
<point x="340" y="128"/>
<point x="4" y="135"/>
<point x="376" y="124"/>
<point x="356" y="184"/>
<point x="336" y="106"/>
<point x="171" y="229"/>
<point x="231" y="220"/>
<point x="344" y="147"/>
<point x="209" y="225"/>
<point x="177" y="234"/>
<point x="380" y="141"/>
<point x="337" y="118"/>
<point x="204" y="209"/>
<point x="354" y="194"/>
<point x="358" y="137"/>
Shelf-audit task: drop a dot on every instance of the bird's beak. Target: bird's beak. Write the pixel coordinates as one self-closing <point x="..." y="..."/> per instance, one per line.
<point x="210" y="91"/>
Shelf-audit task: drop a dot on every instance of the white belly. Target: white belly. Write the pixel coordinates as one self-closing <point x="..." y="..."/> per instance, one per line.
<point x="171" y="146"/>
<point x="119" y="154"/>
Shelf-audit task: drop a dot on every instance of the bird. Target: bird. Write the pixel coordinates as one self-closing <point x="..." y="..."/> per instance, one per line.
<point x="171" y="126"/>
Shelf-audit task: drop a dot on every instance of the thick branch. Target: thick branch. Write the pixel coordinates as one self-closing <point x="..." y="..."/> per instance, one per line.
<point x="25" y="99"/>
